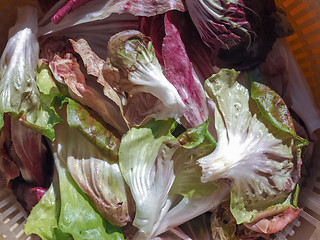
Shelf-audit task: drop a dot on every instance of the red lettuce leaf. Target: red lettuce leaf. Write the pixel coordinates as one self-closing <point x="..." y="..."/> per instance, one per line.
<point x="154" y="28"/>
<point x="30" y="151"/>
<point x="276" y="223"/>
<point x="91" y="61"/>
<point x="180" y="72"/>
<point x="27" y="193"/>
<point x="139" y="107"/>
<point x="199" y="54"/>
<point x="67" y="71"/>
<point x="8" y="167"/>
<point x="165" y="32"/>
<point x="240" y="33"/>
<point x="95" y="66"/>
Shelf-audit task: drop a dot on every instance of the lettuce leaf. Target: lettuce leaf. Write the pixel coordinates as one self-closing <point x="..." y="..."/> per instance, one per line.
<point x="197" y="51"/>
<point x="284" y="75"/>
<point x="141" y="73"/>
<point x="198" y="228"/>
<point x="240" y="33"/>
<point x="185" y="209"/>
<point x="98" y="177"/>
<point x="188" y="195"/>
<point x="30" y="154"/>
<point x="275" y="223"/>
<point x="170" y="49"/>
<point x="145" y="161"/>
<point x="154" y="165"/>
<point x="91" y="61"/>
<point x="82" y="222"/>
<point x="43" y="219"/>
<point x="258" y="154"/>
<point x="103" y="139"/>
<point x="180" y="72"/>
<point x="99" y="10"/>
<point x="65" y="212"/>
<point x="102" y="70"/>
<point x="97" y="33"/>
<point x="195" y="143"/>
<point x="224" y="226"/>
<point x="67" y="71"/>
<point x="20" y="79"/>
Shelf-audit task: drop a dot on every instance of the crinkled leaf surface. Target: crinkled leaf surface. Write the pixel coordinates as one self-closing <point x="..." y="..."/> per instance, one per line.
<point x="255" y="156"/>
<point x="140" y="72"/>
<point x="195" y="143"/>
<point x="67" y="71"/>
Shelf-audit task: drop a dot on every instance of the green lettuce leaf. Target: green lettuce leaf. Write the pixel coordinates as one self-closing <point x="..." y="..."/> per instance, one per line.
<point x="256" y="149"/>
<point x="49" y="91"/>
<point x="100" y="178"/>
<point x="82" y="221"/>
<point x="95" y="131"/>
<point x="195" y="143"/>
<point x="43" y="219"/>
<point x="141" y="73"/>
<point x="270" y="104"/>
<point x="19" y="78"/>
<point x="155" y="164"/>
<point x="193" y="137"/>
<point x="145" y="159"/>
<point x="65" y="212"/>
<point x="272" y="107"/>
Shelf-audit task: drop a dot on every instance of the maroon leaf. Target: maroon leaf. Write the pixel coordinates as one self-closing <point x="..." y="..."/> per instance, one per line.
<point x="180" y="72"/>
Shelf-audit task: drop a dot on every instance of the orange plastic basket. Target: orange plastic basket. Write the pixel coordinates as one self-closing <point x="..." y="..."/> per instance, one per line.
<point x="304" y="16"/>
<point x="305" y="42"/>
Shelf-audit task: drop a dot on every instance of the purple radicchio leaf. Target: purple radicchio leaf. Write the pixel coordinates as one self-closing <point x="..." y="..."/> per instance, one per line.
<point x="180" y="72"/>
<point x="240" y="33"/>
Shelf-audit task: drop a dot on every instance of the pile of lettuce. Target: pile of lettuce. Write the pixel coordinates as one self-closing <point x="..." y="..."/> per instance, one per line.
<point x="122" y="126"/>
